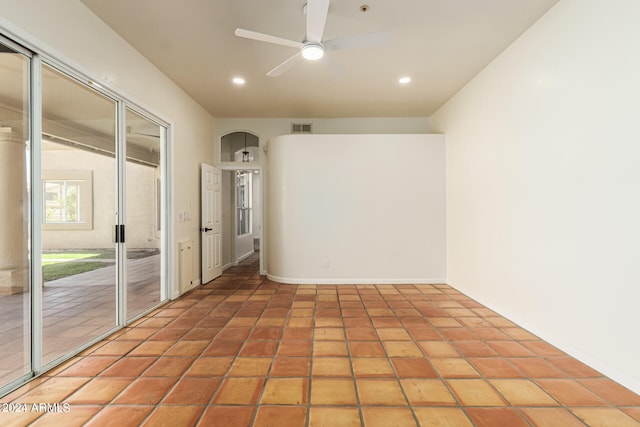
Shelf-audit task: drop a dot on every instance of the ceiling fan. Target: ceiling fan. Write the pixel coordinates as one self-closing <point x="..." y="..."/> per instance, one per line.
<point x="313" y="47"/>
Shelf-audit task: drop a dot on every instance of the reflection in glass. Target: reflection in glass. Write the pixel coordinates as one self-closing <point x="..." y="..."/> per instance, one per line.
<point x="79" y="207"/>
<point x="14" y="216"/>
<point x="143" y="213"/>
<point x="61" y="201"/>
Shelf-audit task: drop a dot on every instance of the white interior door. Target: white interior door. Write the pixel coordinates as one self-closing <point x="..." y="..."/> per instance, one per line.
<point x="211" y="226"/>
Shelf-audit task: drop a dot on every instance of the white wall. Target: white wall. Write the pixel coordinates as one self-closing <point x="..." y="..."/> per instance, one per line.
<point x="72" y="33"/>
<point x="268" y="128"/>
<point x="244" y="246"/>
<point x="256" y="212"/>
<point x="356" y="209"/>
<point x="542" y="183"/>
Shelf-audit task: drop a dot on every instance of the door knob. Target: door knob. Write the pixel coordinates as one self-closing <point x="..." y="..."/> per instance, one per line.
<point x="205" y="229"/>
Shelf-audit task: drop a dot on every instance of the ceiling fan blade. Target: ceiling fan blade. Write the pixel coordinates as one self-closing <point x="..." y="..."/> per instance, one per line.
<point x="266" y="38"/>
<point x="286" y="65"/>
<point x="361" y="40"/>
<point x="334" y="68"/>
<point x="317" y="11"/>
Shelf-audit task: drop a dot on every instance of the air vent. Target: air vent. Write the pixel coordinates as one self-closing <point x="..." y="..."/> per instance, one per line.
<point x="300" y="127"/>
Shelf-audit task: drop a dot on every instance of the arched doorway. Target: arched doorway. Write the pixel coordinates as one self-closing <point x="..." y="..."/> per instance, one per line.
<point x="242" y="196"/>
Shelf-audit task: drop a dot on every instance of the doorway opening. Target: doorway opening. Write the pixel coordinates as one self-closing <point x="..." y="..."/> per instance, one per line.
<point x="241" y="162"/>
<point x="242" y="215"/>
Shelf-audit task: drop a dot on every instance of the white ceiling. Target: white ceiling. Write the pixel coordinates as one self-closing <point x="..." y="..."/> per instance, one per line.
<point x="441" y="44"/>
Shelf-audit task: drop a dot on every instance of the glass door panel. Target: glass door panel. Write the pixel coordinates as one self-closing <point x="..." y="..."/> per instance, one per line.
<point x="79" y="213"/>
<point x="15" y="296"/>
<point x="143" y="213"/>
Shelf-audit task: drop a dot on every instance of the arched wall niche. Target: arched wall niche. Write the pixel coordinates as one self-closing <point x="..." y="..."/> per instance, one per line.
<point x="235" y="144"/>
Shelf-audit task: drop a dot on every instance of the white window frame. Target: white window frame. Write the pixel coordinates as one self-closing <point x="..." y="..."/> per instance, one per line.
<point x="244" y="203"/>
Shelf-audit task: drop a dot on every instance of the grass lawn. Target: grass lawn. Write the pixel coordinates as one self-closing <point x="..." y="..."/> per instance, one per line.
<point x="59" y="264"/>
<point x="54" y="271"/>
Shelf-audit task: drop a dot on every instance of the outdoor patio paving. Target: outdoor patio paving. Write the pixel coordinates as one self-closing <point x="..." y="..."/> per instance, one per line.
<point x="75" y="310"/>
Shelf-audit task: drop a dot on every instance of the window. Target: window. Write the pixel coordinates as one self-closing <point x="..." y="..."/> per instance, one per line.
<point x="62" y="201"/>
<point x="244" y="202"/>
<point x="68" y="200"/>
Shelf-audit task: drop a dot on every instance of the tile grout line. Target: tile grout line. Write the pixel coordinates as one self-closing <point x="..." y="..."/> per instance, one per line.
<point x="195" y="359"/>
<point x="394" y="369"/>
<point x="488" y="380"/>
<point x="481" y="375"/>
<point x="267" y="374"/>
<point x="440" y="376"/>
<point x="540" y="352"/>
<point x="158" y="404"/>
<point x="351" y="366"/>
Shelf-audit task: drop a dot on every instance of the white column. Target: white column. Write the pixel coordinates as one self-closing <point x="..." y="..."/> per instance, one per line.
<point x="13" y="213"/>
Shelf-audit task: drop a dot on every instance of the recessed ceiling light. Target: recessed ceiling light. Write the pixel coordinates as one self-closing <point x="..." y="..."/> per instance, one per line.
<point x="238" y="81"/>
<point x="404" y="80"/>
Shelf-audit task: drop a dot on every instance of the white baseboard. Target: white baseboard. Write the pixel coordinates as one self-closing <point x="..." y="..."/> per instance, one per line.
<point x="353" y="281"/>
<point x="193" y="285"/>
<point x="549" y="337"/>
<point x="245" y="256"/>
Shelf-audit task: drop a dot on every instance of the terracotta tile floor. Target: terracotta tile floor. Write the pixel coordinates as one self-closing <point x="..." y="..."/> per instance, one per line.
<point x="244" y="351"/>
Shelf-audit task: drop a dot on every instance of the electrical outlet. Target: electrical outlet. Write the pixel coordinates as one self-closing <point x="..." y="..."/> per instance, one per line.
<point x="325" y="263"/>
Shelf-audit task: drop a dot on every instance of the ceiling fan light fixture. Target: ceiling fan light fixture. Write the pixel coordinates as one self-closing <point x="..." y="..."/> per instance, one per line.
<point x="312" y="47"/>
<point x="312" y="51"/>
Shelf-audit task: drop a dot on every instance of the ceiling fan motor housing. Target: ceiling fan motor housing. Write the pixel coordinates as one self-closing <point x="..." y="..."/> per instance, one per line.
<point x="312" y="51"/>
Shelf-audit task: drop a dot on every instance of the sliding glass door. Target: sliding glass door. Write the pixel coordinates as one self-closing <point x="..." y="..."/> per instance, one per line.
<point x="15" y="290"/>
<point x="145" y="141"/>
<point x="79" y="212"/>
<point x="82" y="212"/>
